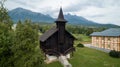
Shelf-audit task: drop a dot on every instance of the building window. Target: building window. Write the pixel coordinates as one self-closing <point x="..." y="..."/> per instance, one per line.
<point x="109" y="38"/>
<point x="96" y="38"/>
<point x="103" y="45"/>
<point x="97" y="45"/>
<point x="108" y="45"/>
<point x="103" y="38"/>
<point x="115" y="39"/>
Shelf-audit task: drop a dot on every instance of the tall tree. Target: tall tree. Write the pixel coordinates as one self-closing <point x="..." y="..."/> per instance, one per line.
<point x="6" y="42"/>
<point x="6" y="37"/>
<point x="4" y="17"/>
<point x="18" y="48"/>
<point x="26" y="48"/>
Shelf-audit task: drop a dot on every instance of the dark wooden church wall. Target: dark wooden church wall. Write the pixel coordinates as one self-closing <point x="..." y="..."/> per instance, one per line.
<point x="68" y="42"/>
<point x="51" y="43"/>
<point x="42" y="45"/>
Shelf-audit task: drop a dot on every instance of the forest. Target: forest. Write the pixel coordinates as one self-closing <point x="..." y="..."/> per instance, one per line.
<point x="74" y="29"/>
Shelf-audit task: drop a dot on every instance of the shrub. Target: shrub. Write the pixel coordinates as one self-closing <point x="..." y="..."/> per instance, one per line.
<point x="80" y="45"/>
<point x="114" y="53"/>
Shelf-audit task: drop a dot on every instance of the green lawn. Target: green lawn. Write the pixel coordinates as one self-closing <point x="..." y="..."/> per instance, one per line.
<point x="87" y="57"/>
<point x="81" y="38"/>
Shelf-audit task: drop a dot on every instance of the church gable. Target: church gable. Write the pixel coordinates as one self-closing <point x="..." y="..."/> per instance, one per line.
<point x="48" y="34"/>
<point x="69" y="35"/>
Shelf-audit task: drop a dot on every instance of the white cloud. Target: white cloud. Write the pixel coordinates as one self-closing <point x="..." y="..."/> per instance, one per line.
<point x="102" y="15"/>
<point x="102" y="11"/>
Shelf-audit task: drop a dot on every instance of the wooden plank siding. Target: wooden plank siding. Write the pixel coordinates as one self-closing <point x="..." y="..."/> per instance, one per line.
<point x="107" y="42"/>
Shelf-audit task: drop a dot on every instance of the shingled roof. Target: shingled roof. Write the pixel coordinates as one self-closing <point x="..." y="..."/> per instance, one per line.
<point x="48" y="33"/>
<point x="108" y="32"/>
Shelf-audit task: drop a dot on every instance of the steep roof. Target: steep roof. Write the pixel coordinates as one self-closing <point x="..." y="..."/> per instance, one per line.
<point x="48" y="33"/>
<point x="61" y="16"/>
<point x="108" y="32"/>
<point x="70" y="34"/>
<point x="53" y="30"/>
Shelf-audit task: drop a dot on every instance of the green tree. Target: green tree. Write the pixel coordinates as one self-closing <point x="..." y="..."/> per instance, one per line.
<point x="4" y="17"/>
<point x="20" y="47"/>
<point x="26" y="48"/>
<point x="6" y="37"/>
<point x="6" y="42"/>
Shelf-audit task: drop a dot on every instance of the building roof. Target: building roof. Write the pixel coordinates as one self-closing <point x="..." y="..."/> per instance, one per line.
<point x="108" y="32"/>
<point x="61" y="16"/>
<point x="53" y="30"/>
<point x="48" y="33"/>
<point x="70" y="34"/>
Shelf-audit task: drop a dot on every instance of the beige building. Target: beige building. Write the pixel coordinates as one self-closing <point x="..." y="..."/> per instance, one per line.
<point x="108" y="39"/>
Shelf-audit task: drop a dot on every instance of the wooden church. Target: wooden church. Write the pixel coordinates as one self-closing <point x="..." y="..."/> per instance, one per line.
<point x="57" y="41"/>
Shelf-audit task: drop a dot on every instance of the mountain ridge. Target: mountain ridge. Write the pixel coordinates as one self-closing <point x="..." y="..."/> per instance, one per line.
<point x="22" y="14"/>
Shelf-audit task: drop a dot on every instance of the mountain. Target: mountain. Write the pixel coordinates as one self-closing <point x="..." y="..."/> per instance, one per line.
<point x="78" y="20"/>
<point x="22" y="14"/>
<point x="74" y="19"/>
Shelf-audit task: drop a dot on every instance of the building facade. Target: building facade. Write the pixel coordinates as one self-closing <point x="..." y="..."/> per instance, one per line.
<point x="108" y="39"/>
<point x="57" y="41"/>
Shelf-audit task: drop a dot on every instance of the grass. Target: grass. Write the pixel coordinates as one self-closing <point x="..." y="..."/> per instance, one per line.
<point x="87" y="57"/>
<point x="54" y="64"/>
<point x="81" y="38"/>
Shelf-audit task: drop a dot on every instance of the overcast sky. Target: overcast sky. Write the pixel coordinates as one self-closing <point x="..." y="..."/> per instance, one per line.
<point x="101" y="11"/>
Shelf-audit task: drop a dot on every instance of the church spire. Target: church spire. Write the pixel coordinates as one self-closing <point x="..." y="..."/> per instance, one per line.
<point x="61" y="16"/>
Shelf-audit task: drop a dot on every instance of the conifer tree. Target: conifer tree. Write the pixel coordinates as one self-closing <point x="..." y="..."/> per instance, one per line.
<point x="4" y="17"/>
<point x="18" y="48"/>
<point x="26" y="49"/>
<point x="6" y="42"/>
<point x="6" y="38"/>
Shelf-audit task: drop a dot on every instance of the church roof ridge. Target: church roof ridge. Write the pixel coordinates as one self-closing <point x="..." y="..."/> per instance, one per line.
<point x="61" y="16"/>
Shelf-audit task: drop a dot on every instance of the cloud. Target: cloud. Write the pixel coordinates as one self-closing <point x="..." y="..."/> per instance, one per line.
<point x="102" y="11"/>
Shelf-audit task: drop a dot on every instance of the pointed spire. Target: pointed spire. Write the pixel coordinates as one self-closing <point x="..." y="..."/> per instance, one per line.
<point x="61" y="16"/>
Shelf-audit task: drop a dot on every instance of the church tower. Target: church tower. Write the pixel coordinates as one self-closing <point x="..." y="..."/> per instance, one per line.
<point x="60" y="23"/>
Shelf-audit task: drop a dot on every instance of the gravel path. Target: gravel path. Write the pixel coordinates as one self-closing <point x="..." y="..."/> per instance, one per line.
<point x="101" y="49"/>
